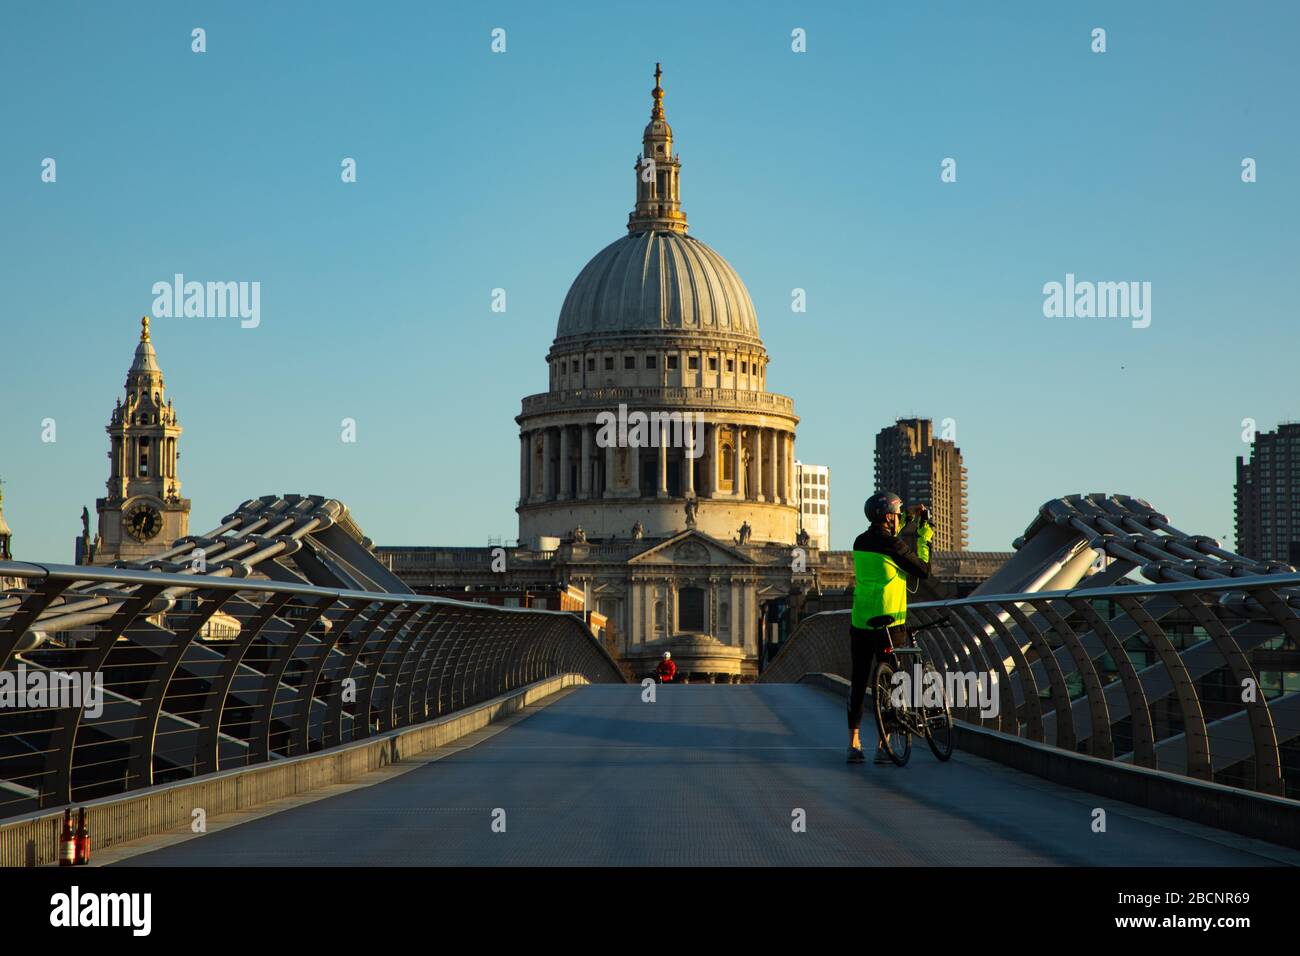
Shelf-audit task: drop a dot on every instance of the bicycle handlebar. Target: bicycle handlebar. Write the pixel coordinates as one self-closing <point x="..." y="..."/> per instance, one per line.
<point x="940" y="622"/>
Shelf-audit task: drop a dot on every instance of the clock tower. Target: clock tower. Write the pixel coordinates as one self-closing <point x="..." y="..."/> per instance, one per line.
<point x="144" y="512"/>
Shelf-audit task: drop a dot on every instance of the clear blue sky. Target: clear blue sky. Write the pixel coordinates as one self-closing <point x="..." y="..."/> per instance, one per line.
<point x="816" y="170"/>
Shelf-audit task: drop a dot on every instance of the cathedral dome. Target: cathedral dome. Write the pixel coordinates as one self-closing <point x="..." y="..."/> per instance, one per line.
<point x="656" y="281"/>
<point x="658" y="328"/>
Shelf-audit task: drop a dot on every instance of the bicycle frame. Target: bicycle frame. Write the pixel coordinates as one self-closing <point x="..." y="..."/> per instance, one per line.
<point x="910" y="718"/>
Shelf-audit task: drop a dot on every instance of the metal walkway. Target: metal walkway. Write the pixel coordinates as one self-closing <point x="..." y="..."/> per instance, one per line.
<point x="707" y="775"/>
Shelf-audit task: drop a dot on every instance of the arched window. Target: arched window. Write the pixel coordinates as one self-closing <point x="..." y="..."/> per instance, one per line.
<point x="143" y="471"/>
<point x="728" y="453"/>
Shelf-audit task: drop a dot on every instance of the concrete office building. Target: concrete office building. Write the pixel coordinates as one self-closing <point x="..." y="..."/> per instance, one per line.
<point x="1268" y="497"/>
<point x="922" y="469"/>
<point x="812" y="494"/>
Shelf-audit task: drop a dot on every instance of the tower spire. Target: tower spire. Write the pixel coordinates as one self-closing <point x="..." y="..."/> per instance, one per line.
<point x="658" y="173"/>
<point x="143" y="511"/>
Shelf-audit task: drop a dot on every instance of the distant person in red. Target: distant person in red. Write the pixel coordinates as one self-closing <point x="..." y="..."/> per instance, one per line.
<point x="667" y="669"/>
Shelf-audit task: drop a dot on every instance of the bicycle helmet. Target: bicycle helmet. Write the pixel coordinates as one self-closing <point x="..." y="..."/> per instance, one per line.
<point x="667" y="655"/>
<point x="882" y="503"/>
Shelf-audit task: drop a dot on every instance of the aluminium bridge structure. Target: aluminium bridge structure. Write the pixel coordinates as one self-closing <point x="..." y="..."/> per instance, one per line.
<point x="1152" y="671"/>
<point x="275" y="635"/>
<point x="1125" y="653"/>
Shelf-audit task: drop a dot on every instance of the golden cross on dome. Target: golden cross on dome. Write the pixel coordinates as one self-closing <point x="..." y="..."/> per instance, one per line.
<point x="144" y="328"/>
<point x="658" y="93"/>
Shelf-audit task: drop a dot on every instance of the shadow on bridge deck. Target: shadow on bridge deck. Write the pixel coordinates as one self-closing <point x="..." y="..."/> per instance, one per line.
<point x="707" y="775"/>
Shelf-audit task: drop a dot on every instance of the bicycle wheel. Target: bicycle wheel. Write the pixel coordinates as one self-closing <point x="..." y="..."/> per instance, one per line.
<point x="889" y="723"/>
<point x="938" y="719"/>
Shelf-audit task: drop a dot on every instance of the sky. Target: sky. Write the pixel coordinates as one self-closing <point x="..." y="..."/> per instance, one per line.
<point x="476" y="170"/>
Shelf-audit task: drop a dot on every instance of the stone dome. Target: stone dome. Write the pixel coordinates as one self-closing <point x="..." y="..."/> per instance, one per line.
<point x="657" y="281"/>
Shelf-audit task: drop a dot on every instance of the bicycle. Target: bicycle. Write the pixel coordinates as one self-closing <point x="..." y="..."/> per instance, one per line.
<point x="897" y="721"/>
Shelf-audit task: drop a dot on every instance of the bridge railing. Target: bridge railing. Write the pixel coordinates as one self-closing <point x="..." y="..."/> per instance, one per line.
<point x="1198" y="677"/>
<point x="116" y="679"/>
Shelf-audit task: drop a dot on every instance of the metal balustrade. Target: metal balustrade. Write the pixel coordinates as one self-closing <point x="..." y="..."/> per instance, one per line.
<point x="208" y="672"/>
<point x="1165" y="676"/>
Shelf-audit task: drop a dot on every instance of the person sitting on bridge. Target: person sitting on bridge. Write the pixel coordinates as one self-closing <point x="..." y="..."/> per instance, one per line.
<point x="882" y="566"/>
<point x="667" y="669"/>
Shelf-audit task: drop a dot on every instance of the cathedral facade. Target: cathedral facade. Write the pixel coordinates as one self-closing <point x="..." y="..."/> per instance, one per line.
<point x="656" y="473"/>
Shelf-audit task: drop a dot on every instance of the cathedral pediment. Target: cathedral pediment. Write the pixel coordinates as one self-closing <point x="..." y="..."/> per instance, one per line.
<point x="691" y="548"/>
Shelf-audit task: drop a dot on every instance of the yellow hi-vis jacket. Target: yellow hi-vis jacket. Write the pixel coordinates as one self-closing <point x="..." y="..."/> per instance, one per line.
<point x="882" y="565"/>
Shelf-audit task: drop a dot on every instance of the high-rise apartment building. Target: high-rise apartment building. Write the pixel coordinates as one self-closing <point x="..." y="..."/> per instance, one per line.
<point x="812" y="493"/>
<point x="922" y="469"/>
<point x="1268" y="497"/>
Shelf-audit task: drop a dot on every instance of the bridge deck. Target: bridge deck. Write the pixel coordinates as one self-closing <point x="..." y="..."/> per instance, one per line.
<point x="708" y="775"/>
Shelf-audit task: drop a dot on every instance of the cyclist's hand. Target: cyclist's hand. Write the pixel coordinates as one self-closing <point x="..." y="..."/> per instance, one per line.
<point x="925" y="532"/>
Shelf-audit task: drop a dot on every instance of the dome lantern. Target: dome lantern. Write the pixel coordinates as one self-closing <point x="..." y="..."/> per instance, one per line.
<point x="658" y="174"/>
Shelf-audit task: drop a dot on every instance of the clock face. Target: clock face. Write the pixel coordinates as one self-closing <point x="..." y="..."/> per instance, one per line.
<point x="143" y="522"/>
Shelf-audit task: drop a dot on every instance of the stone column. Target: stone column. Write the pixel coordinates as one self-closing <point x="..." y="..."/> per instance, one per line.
<point x="548" y="473"/>
<point x="787" y="464"/>
<point x="710" y="460"/>
<point x="566" y="483"/>
<point x="756" y="462"/>
<point x="738" y="469"/>
<point x="785" y="467"/>
<point x="751" y="617"/>
<point x="634" y="609"/>
<point x="789" y="467"/>
<point x="609" y="470"/>
<point x="710" y="605"/>
<point x="634" y="464"/>
<point x="584" y="479"/>
<point x="663" y="460"/>
<point x="778" y="448"/>
<point x="733" y="620"/>
<point x="523" y="467"/>
<point x="648" y="599"/>
<point x="687" y="461"/>
<point x="773" y="492"/>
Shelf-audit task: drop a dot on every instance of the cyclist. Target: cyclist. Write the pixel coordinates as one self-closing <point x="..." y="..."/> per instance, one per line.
<point x="882" y="566"/>
<point x="667" y="669"/>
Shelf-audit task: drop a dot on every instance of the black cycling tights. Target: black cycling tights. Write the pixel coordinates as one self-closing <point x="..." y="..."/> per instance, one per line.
<point x="864" y="647"/>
